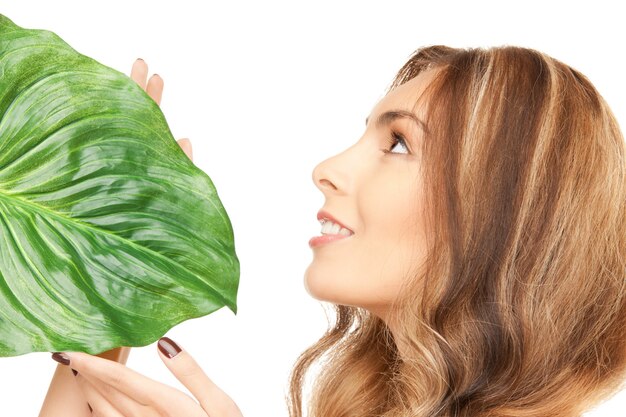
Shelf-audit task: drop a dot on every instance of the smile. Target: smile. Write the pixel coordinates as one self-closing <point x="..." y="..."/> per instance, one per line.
<point x="332" y="230"/>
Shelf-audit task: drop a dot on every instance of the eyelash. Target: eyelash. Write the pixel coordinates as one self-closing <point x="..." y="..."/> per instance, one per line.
<point x="393" y="140"/>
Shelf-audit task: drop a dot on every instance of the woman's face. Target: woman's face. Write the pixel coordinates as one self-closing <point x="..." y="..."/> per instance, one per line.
<point x="378" y="197"/>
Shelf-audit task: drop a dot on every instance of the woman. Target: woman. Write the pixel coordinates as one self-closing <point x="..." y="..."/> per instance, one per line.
<point x="482" y="267"/>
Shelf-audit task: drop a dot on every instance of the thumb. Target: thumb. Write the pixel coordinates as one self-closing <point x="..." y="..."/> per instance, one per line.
<point x="211" y="397"/>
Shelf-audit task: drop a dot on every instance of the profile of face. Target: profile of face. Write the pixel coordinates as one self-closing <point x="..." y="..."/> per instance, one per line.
<point x="374" y="189"/>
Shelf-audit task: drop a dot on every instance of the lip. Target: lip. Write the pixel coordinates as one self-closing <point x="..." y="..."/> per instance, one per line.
<point x="326" y="215"/>
<point x="323" y="239"/>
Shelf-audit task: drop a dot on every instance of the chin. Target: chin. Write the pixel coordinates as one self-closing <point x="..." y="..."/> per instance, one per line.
<point x="326" y="286"/>
<point x="321" y="285"/>
<point x="314" y="285"/>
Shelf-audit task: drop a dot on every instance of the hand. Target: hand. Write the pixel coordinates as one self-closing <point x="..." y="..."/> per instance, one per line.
<point x="154" y="88"/>
<point x="114" y="390"/>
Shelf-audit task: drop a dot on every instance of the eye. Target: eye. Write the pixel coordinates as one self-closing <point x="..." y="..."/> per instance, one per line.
<point x="394" y="140"/>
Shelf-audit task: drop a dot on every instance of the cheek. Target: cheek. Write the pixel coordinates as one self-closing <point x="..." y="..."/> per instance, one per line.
<point x="367" y="269"/>
<point x="368" y="277"/>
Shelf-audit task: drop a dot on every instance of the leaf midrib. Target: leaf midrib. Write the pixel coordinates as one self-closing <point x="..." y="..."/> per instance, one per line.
<point x="29" y="205"/>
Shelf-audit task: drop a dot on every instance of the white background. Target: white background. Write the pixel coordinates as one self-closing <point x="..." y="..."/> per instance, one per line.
<point x="266" y="90"/>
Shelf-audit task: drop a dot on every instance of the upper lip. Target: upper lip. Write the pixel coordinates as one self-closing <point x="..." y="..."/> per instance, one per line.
<point x="326" y="215"/>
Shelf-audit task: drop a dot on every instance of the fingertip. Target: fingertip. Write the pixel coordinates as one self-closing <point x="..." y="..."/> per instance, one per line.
<point x="168" y="347"/>
<point x="184" y="141"/>
<point x="185" y="145"/>
<point x="61" y="357"/>
<point x="140" y="63"/>
<point x="74" y="357"/>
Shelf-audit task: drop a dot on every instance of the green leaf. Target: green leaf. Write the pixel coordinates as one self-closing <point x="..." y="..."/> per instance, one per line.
<point x="109" y="234"/>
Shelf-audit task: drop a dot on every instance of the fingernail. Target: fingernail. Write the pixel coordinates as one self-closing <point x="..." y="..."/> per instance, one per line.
<point x="168" y="347"/>
<point x="61" y="358"/>
<point x="139" y="59"/>
<point x="75" y="372"/>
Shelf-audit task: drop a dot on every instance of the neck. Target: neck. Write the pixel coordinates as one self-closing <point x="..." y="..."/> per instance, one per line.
<point x="393" y="329"/>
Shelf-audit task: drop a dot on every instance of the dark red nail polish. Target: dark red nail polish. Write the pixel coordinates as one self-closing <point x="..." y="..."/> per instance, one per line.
<point x="168" y="347"/>
<point x="75" y="372"/>
<point x="61" y="358"/>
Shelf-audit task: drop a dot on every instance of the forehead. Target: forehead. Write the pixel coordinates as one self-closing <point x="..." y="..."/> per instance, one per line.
<point x="407" y="96"/>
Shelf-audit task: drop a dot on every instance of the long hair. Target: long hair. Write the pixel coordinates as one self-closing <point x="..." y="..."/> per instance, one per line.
<point x="519" y="309"/>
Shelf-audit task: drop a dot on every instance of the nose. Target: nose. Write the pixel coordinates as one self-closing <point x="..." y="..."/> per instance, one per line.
<point x="330" y="177"/>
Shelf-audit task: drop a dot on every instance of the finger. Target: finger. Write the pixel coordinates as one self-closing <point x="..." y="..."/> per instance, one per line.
<point x="121" y="402"/>
<point x="185" y="144"/>
<point x="155" y="88"/>
<point x="139" y="72"/>
<point x="213" y="400"/>
<point x="131" y="383"/>
<point x="177" y="403"/>
<point x="96" y="400"/>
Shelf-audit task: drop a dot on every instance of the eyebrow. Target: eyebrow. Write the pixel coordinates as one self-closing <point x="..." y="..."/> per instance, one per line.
<point x="389" y="116"/>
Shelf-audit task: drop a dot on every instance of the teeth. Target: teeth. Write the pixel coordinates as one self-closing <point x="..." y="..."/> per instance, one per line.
<point x="330" y="228"/>
<point x="345" y="232"/>
<point x="327" y="227"/>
